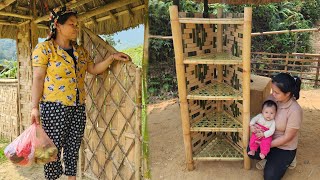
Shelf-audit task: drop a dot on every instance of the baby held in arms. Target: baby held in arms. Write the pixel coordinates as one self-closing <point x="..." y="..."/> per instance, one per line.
<point x="262" y="127"/>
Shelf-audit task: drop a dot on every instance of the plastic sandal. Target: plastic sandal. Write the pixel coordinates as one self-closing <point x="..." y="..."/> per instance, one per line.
<point x="293" y="163"/>
<point x="260" y="165"/>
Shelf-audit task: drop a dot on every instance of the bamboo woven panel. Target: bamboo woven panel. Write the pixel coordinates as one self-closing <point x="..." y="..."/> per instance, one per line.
<point x="219" y="148"/>
<point x="8" y="109"/>
<point x="217" y="121"/>
<point x="113" y="116"/>
<point x="199" y="108"/>
<point x="198" y="38"/>
<point x="232" y="36"/>
<point x="232" y="75"/>
<point x="215" y="91"/>
<point x="24" y="75"/>
<point x="197" y="76"/>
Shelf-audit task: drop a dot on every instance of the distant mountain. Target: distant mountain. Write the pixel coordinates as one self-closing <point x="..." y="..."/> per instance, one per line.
<point x="8" y="49"/>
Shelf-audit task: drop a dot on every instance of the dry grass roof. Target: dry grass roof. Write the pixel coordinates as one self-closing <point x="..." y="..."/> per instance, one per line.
<point x="101" y="16"/>
<point x="241" y="1"/>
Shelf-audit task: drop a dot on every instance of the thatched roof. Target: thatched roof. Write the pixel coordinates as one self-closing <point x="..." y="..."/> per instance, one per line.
<point x="101" y="16"/>
<point x="241" y="1"/>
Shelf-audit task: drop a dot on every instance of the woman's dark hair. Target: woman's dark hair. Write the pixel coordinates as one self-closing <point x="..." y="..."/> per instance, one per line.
<point x="61" y="20"/>
<point x="269" y="103"/>
<point x="286" y="83"/>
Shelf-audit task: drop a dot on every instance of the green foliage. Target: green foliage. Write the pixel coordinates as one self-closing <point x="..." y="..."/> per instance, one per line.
<point x="3" y="144"/>
<point x="110" y="39"/>
<point x="10" y="69"/>
<point x="136" y="54"/>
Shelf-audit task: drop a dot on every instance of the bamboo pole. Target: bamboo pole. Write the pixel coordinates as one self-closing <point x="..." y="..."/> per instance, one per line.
<point x="246" y="54"/>
<point x="8" y="23"/>
<point x="69" y="5"/>
<point x="211" y="20"/>
<point x="19" y="81"/>
<point x="286" y="64"/>
<point x="182" y="87"/>
<point x="137" y="138"/>
<point x="2" y="13"/>
<point x="103" y="9"/>
<point x="284" y="31"/>
<point x="219" y="50"/>
<point x="6" y="3"/>
<point x="160" y="37"/>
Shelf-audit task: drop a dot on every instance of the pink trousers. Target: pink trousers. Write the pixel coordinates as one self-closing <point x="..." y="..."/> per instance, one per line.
<point x="264" y="143"/>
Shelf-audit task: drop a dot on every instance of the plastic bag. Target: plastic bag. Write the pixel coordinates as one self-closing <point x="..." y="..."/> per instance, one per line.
<point x="32" y="146"/>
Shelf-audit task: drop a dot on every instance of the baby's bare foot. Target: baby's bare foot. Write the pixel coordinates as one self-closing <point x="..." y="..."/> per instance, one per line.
<point x="251" y="153"/>
<point x="262" y="156"/>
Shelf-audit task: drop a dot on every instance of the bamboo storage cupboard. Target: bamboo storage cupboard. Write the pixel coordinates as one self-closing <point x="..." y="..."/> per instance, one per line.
<point x="213" y="71"/>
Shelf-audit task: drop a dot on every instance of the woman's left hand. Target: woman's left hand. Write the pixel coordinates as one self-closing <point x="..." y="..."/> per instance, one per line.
<point x="119" y="56"/>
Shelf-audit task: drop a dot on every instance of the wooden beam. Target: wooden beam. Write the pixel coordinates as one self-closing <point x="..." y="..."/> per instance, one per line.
<point x="115" y="19"/>
<point x="103" y="9"/>
<point x="6" y="3"/>
<point x="130" y="11"/>
<point x="2" y="13"/>
<point x="69" y="5"/>
<point x="159" y="37"/>
<point x="117" y="14"/>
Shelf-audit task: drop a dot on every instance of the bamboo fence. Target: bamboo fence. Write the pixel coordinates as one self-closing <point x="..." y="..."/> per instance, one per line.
<point x="305" y="66"/>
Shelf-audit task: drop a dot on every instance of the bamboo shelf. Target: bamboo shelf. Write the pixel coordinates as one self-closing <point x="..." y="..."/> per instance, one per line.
<point x="211" y="20"/>
<point x="215" y="91"/>
<point x="218" y="149"/>
<point x="218" y="58"/>
<point x="217" y="122"/>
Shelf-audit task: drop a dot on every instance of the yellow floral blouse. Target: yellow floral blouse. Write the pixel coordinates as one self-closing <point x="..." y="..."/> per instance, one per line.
<point x="62" y="81"/>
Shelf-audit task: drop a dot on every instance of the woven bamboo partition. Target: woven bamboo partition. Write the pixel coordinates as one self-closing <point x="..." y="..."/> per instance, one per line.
<point x="8" y="109"/>
<point x="210" y="64"/>
<point x="111" y="148"/>
<point x="24" y="75"/>
<point x="241" y="1"/>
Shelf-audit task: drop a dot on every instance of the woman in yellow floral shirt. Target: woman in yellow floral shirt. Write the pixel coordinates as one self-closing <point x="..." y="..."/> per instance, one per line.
<point x="59" y="68"/>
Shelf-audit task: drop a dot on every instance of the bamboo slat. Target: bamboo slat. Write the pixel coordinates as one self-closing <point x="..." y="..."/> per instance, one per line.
<point x="217" y="122"/>
<point x="211" y="21"/>
<point x="219" y="149"/>
<point x="217" y="58"/>
<point x="215" y="91"/>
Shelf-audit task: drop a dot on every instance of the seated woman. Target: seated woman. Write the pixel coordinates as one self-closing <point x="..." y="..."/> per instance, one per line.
<point x="285" y="92"/>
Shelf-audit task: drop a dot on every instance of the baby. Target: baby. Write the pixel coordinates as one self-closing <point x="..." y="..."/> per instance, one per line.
<point x="263" y="127"/>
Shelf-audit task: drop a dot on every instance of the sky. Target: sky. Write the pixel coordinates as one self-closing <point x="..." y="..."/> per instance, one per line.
<point x="129" y="38"/>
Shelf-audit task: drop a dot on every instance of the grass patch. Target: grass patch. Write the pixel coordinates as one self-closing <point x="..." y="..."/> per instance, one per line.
<point x="135" y="53"/>
<point x="3" y="145"/>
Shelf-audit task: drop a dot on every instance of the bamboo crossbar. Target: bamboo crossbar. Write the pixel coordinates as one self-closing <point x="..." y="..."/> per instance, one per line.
<point x="285" y="31"/>
<point x="288" y="71"/>
<point x="159" y="37"/>
<point x="106" y="8"/>
<point x="2" y="13"/>
<point x="116" y="14"/>
<point x="211" y="21"/>
<point x="288" y="65"/>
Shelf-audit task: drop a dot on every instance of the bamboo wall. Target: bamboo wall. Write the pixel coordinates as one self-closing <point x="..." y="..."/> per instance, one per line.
<point x="8" y="109"/>
<point x="24" y="75"/>
<point x="201" y="39"/>
<point x="305" y="66"/>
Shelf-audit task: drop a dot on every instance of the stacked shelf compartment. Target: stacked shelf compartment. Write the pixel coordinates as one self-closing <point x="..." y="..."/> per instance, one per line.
<point x="212" y="68"/>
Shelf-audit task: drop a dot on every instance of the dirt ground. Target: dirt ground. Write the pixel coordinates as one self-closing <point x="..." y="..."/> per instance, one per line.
<point x="168" y="155"/>
<point x="167" y="150"/>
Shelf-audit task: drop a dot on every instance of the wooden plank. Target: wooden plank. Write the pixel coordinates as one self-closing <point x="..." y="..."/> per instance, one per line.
<point x="211" y="21"/>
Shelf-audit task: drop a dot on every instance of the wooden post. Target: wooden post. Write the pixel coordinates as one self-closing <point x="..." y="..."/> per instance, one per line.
<point x="205" y="9"/>
<point x="286" y="65"/>
<point x="182" y="87"/>
<point x="219" y="50"/>
<point x="317" y="73"/>
<point x="246" y="53"/>
<point x="137" y="139"/>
